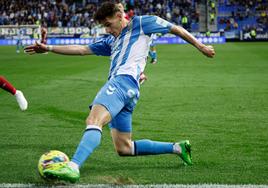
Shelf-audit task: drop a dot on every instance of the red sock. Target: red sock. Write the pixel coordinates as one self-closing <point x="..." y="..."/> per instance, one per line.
<point x="7" y="86"/>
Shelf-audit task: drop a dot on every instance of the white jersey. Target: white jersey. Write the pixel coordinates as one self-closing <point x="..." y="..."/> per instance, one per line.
<point x="128" y="52"/>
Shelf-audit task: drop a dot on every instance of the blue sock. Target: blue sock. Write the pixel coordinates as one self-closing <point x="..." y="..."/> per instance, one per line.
<point x="90" y="140"/>
<point x="148" y="147"/>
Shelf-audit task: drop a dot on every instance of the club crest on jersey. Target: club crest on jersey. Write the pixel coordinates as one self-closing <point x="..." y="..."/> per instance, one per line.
<point x="110" y="90"/>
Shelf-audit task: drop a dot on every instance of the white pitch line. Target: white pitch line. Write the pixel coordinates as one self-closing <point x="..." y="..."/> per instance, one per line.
<point x="7" y="185"/>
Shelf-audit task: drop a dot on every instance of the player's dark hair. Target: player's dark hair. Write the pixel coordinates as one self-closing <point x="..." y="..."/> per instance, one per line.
<point x="107" y="9"/>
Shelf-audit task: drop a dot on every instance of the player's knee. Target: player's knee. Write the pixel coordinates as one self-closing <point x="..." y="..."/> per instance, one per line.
<point x="98" y="116"/>
<point x="123" y="152"/>
<point x="90" y="121"/>
<point x="123" y="149"/>
<point x="94" y="121"/>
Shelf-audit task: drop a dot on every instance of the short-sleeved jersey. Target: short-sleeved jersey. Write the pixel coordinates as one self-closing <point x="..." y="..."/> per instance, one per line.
<point x="128" y="52"/>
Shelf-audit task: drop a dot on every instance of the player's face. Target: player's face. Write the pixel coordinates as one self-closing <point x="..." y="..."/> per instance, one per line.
<point x="113" y="25"/>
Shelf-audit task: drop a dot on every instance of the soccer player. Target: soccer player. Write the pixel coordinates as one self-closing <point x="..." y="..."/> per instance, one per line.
<point x="43" y="35"/>
<point x="22" y="102"/>
<point x="128" y="47"/>
<point x="152" y="52"/>
<point x="19" y="38"/>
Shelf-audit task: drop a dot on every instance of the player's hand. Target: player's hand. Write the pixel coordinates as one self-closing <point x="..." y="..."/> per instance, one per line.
<point x="208" y="50"/>
<point x="143" y="78"/>
<point x="36" y="48"/>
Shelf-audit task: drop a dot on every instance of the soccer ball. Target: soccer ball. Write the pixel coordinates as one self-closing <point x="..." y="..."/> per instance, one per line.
<point x="51" y="159"/>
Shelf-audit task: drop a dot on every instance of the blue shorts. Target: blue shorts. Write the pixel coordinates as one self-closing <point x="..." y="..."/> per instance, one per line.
<point x="119" y="96"/>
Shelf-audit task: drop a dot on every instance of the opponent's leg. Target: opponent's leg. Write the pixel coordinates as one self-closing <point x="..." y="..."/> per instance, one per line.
<point x="4" y="84"/>
<point x="22" y="102"/>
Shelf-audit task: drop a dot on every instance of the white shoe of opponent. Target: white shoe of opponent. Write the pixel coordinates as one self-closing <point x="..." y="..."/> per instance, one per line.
<point x="23" y="104"/>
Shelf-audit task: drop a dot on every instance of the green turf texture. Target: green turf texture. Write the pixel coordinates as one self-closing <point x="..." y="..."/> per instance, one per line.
<point x="220" y="105"/>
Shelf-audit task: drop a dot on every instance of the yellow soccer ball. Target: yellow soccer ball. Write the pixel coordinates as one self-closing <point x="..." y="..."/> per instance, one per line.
<point x="51" y="159"/>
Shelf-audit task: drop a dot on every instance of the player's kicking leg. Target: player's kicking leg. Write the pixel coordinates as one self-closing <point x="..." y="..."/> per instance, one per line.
<point x="91" y="139"/>
<point x="62" y="172"/>
<point x="22" y="102"/>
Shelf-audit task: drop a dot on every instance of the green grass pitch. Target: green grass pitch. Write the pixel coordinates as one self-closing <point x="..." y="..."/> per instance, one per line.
<point x="220" y="105"/>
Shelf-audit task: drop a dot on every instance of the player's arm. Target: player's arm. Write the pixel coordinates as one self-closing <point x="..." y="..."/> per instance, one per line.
<point x="155" y="24"/>
<point x="184" y="34"/>
<point x="71" y="50"/>
<point x="65" y="50"/>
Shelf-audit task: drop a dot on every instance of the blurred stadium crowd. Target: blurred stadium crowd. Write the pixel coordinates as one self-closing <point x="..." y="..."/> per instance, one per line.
<point x="243" y="15"/>
<point x="227" y="14"/>
<point x="71" y="13"/>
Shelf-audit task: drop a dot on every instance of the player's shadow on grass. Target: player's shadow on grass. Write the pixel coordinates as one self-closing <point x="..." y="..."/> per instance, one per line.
<point x="147" y="163"/>
<point x="121" y="180"/>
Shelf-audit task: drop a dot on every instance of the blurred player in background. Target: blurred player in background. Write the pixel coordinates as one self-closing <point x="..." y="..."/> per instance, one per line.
<point x="22" y="102"/>
<point x="43" y="35"/>
<point x="95" y="32"/>
<point x="128" y="47"/>
<point x="19" y="38"/>
<point x="152" y="52"/>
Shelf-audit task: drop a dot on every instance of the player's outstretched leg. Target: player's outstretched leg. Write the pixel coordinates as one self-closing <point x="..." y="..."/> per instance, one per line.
<point x="148" y="147"/>
<point x="126" y="147"/>
<point x="22" y="102"/>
